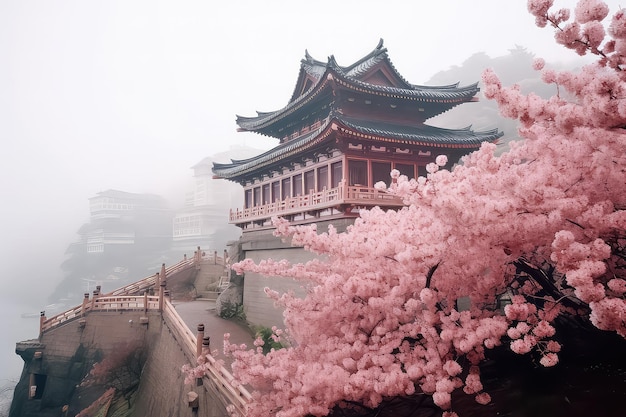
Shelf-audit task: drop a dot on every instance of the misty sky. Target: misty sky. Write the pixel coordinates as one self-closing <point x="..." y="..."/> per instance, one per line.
<point x="130" y="94"/>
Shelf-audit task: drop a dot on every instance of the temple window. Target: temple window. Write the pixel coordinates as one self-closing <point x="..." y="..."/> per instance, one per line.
<point x="248" y="200"/>
<point x="276" y="191"/>
<point x="322" y="177"/>
<point x="266" y="194"/>
<point x="357" y="172"/>
<point x="309" y="181"/>
<point x="406" y="169"/>
<point x="381" y="172"/>
<point x="286" y="188"/>
<point x="297" y="185"/>
<point x="257" y="196"/>
<point x="336" y="174"/>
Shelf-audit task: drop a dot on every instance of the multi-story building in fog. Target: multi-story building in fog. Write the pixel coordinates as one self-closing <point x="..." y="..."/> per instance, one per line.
<point x="203" y="220"/>
<point x="119" y="219"/>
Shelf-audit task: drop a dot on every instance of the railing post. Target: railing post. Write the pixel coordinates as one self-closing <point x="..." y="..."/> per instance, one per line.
<point x="206" y="345"/>
<point x="83" y="308"/>
<point x="163" y="274"/>
<point x="145" y="302"/>
<point x="93" y="298"/>
<point x="157" y="281"/>
<point x="199" y="338"/>
<point x="196" y="258"/>
<point x="214" y="257"/>
<point x="42" y="319"/>
<point x="161" y="295"/>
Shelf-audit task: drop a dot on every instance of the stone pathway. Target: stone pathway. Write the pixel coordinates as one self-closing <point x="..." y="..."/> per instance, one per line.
<point x="203" y="312"/>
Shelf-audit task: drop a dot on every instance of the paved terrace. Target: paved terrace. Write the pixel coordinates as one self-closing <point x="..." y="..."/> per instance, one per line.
<point x="198" y="312"/>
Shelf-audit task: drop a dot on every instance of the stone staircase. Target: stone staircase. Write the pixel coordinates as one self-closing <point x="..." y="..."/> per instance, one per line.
<point x="210" y="279"/>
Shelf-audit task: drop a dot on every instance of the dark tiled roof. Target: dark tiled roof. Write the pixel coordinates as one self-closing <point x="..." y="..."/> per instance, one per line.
<point x="350" y="77"/>
<point x="424" y="135"/>
<point x="242" y="166"/>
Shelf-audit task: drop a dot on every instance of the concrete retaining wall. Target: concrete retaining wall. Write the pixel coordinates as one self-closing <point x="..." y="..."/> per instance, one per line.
<point x="162" y="391"/>
<point x="67" y="355"/>
<point x="260" y="245"/>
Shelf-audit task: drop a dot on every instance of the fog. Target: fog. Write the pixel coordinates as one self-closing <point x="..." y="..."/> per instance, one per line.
<point x="129" y="95"/>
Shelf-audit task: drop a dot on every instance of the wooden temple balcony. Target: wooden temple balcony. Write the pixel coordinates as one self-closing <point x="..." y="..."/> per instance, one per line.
<point x="316" y="202"/>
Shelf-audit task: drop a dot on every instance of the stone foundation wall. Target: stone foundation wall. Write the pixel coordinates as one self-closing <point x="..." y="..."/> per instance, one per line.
<point x="260" y="245"/>
<point x="58" y="362"/>
<point x="162" y="391"/>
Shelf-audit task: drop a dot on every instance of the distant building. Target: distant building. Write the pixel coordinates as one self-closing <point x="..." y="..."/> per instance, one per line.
<point x="119" y="219"/>
<point x="203" y="221"/>
<point x="128" y="235"/>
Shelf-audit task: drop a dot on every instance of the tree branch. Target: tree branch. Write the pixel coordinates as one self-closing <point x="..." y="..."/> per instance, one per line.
<point x="430" y="273"/>
<point x="540" y="277"/>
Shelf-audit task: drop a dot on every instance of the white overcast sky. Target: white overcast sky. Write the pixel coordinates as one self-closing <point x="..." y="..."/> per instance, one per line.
<point x="130" y="94"/>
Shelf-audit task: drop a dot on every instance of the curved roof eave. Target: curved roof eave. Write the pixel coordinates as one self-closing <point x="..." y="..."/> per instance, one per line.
<point x="244" y="166"/>
<point x="429" y="136"/>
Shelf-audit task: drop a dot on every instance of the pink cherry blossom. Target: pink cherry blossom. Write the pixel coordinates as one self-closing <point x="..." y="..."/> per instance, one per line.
<point x="542" y="225"/>
<point x="589" y="10"/>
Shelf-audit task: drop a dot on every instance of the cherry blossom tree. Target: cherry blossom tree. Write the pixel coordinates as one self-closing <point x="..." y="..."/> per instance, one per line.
<point x="493" y="253"/>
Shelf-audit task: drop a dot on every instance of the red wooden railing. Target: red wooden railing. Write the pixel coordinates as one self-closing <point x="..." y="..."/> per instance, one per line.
<point x="343" y="194"/>
<point x="218" y="376"/>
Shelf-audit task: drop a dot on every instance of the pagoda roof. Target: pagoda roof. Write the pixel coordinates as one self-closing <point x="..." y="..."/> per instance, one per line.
<point x="422" y="135"/>
<point x="316" y="77"/>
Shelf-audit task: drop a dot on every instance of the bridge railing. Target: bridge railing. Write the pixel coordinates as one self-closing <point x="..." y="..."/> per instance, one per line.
<point x="222" y="380"/>
<point x="133" y="288"/>
<point x="126" y="303"/>
<point x="104" y="303"/>
<point x="148" y="282"/>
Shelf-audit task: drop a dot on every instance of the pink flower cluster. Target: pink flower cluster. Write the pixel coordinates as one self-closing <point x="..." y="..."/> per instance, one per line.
<point x="544" y="222"/>
<point x="586" y="33"/>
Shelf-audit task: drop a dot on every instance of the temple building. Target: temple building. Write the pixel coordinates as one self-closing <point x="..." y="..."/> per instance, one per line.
<point x="343" y="130"/>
